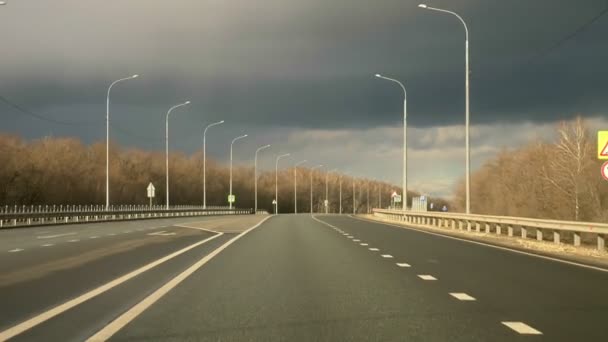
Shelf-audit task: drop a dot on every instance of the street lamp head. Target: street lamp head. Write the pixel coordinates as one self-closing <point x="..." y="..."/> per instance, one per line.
<point x="221" y="122"/>
<point x="422" y="6"/>
<point x="378" y="75"/>
<point x="187" y="102"/>
<point x="135" y="76"/>
<point x="245" y="135"/>
<point x="2" y="3"/>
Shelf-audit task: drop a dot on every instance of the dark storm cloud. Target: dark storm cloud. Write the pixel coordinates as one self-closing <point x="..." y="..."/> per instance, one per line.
<point x="303" y="63"/>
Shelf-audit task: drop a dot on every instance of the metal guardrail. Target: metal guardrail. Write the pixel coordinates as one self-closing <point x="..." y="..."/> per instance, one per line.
<point x="14" y="209"/>
<point x="594" y="233"/>
<point x="20" y="219"/>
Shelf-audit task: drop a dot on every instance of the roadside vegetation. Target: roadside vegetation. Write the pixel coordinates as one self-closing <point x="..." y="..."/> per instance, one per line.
<point x="65" y="171"/>
<point x="554" y="180"/>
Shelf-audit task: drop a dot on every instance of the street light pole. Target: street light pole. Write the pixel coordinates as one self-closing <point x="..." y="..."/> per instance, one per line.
<point x="107" y="133"/>
<point x="327" y="190"/>
<point x="404" y="185"/>
<point x="467" y="105"/>
<point x="231" y="145"/>
<point x="255" y="175"/>
<point x="167" y="147"/>
<point x="354" y="200"/>
<point x="205" y="161"/>
<point x="340" y="181"/>
<point x="295" y="185"/>
<point x="311" y="172"/>
<point x="276" y="181"/>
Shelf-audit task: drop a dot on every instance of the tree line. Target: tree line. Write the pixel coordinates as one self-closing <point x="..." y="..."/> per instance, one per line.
<point x="54" y="170"/>
<point x="554" y="180"/>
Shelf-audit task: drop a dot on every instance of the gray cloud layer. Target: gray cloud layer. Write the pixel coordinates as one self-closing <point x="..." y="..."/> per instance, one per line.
<point x="289" y="70"/>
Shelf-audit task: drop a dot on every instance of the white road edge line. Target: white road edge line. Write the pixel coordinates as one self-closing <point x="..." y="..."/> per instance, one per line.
<point x="36" y="320"/>
<point x="112" y="328"/>
<point x="462" y="296"/>
<point x="522" y="328"/>
<point x="487" y="245"/>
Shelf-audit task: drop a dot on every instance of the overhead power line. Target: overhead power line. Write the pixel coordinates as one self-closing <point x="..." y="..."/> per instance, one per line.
<point x="570" y="36"/>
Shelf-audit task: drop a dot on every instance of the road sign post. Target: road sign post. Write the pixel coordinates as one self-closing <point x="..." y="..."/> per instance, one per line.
<point x="231" y="199"/>
<point x="151" y="192"/>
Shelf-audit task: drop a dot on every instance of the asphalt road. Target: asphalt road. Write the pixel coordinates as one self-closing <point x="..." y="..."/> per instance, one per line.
<point x="327" y="278"/>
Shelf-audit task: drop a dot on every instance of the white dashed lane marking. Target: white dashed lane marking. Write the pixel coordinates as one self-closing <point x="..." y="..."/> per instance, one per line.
<point x="462" y="296"/>
<point x="350" y="237"/>
<point x="15" y="250"/>
<point x="75" y="240"/>
<point x="374" y="249"/>
<point x="522" y="328"/>
<point x="93" y="237"/>
<point x="47" y="245"/>
<point x="363" y="244"/>
<point x="402" y="264"/>
<point x="356" y="240"/>
<point x="387" y="256"/>
<point x="426" y="277"/>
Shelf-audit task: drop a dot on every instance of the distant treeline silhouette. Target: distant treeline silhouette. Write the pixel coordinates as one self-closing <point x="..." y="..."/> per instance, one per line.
<point x="65" y="171"/>
<point x="555" y="180"/>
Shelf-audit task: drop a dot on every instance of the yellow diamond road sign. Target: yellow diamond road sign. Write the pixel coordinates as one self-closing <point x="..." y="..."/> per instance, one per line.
<point x="602" y="145"/>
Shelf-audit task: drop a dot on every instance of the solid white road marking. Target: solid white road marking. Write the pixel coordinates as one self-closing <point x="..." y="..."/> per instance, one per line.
<point x="522" y="328"/>
<point x="426" y="277"/>
<point x="374" y="249"/>
<point x="363" y="244"/>
<point x="15" y="250"/>
<point x="402" y="264"/>
<point x="54" y="236"/>
<point x="112" y="328"/>
<point x="36" y="320"/>
<point x="487" y="245"/>
<point x="462" y="296"/>
<point x="387" y="256"/>
<point x="48" y="245"/>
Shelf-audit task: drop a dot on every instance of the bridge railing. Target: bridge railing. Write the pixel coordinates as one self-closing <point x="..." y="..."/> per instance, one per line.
<point x="82" y="214"/>
<point x="573" y="232"/>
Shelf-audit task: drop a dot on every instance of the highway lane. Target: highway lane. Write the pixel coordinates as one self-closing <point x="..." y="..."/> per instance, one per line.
<point x="335" y="278"/>
<point x="40" y="278"/>
<point x="563" y="301"/>
<point x="295" y="279"/>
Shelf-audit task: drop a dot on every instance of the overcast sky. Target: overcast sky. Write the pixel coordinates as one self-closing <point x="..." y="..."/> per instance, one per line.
<point x="298" y="74"/>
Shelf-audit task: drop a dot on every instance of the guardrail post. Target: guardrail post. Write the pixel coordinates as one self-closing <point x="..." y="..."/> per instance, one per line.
<point x="577" y="238"/>
<point x="478" y="227"/>
<point x="556" y="237"/>
<point x="468" y="226"/>
<point x="601" y="242"/>
<point x="524" y="232"/>
<point x="539" y="234"/>
<point x="487" y="228"/>
<point x="498" y="229"/>
<point x="459" y="225"/>
<point x="510" y="230"/>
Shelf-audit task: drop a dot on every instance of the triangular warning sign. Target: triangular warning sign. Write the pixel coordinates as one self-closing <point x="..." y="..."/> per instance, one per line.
<point x="604" y="151"/>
